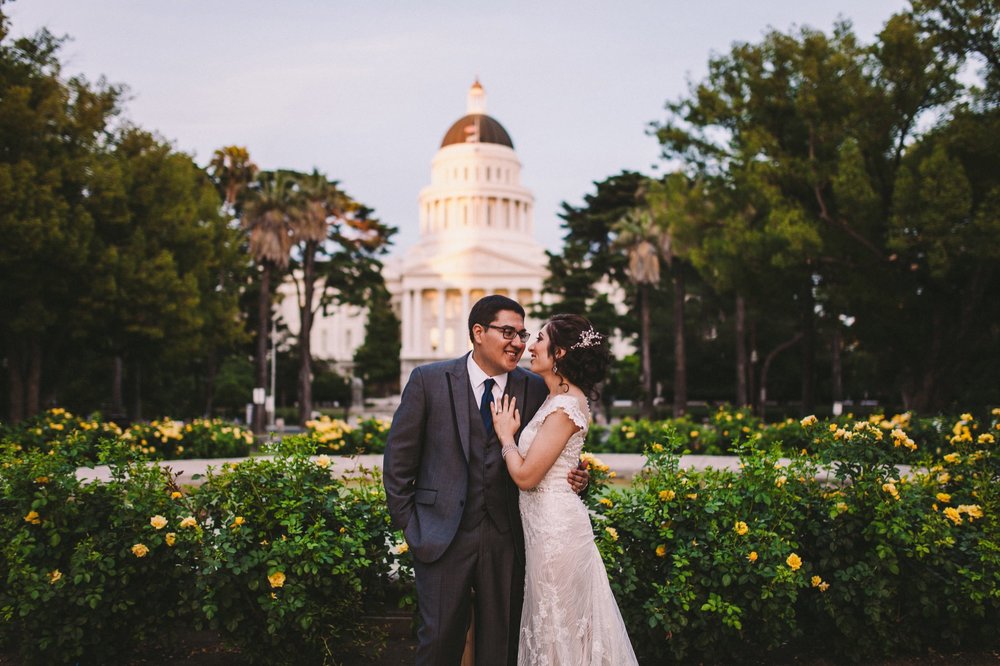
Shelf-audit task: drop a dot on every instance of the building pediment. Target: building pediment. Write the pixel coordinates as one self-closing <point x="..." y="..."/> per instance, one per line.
<point x="479" y="261"/>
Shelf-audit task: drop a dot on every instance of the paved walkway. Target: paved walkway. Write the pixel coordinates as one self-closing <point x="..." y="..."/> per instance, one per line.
<point x="625" y="466"/>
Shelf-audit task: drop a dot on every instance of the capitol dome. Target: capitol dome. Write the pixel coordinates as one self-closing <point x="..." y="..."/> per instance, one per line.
<point x="479" y="128"/>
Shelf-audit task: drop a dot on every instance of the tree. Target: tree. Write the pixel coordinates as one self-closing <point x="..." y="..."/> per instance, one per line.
<point x="377" y="359"/>
<point x="268" y="219"/>
<point x="52" y="132"/>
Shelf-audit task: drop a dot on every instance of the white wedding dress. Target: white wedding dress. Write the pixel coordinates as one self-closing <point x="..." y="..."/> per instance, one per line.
<point x="570" y="617"/>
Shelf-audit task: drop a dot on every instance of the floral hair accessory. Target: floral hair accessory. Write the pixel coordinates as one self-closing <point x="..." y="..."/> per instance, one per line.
<point x="588" y="338"/>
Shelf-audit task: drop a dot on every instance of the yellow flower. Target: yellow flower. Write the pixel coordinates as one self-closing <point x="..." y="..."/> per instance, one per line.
<point x="823" y="587"/>
<point x="694" y="433"/>
<point x="41" y="480"/>
<point x="944" y="498"/>
<point x="972" y="510"/>
<point x="692" y="496"/>
<point x="985" y="438"/>
<point x="780" y="481"/>
<point x="323" y="461"/>
<point x="54" y="575"/>
<point x="656" y="448"/>
<point x="139" y="550"/>
<point x="809" y="420"/>
<point x="403" y="547"/>
<point x="741" y="527"/>
<point x="33" y="518"/>
<point x="794" y="562"/>
<point x="661" y="550"/>
<point x="966" y="417"/>
<point x="612" y="532"/>
<point x="188" y="522"/>
<point x="944" y="477"/>
<point x="752" y="556"/>
<point x="170" y="538"/>
<point x="343" y="530"/>
<point x="952" y="458"/>
<point x="667" y="495"/>
<point x="237" y="522"/>
<point x="816" y="580"/>
<point x="159" y="522"/>
<point x="175" y="495"/>
<point x="841" y="507"/>
<point x="606" y="502"/>
<point x="891" y="489"/>
<point x="952" y="514"/>
<point x="277" y="579"/>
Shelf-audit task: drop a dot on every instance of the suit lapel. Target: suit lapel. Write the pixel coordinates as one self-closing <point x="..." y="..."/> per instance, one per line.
<point x="517" y="386"/>
<point x="459" y="388"/>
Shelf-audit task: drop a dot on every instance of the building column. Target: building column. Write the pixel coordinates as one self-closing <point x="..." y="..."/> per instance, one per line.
<point x="407" y="323"/>
<point x="418" y="323"/>
<point x="440" y="322"/>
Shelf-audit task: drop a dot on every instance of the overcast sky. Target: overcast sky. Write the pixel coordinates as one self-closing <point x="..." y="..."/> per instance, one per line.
<point x="364" y="90"/>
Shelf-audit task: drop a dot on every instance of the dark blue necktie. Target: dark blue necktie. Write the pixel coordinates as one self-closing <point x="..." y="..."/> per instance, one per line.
<point x="486" y="406"/>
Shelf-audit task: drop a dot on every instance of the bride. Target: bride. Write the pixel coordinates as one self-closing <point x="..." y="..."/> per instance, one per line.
<point x="569" y="616"/>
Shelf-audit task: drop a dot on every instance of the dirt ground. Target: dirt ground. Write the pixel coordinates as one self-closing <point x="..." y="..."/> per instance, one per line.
<point x="205" y="649"/>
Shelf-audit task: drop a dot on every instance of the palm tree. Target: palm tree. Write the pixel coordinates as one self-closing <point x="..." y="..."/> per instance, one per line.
<point x="322" y="205"/>
<point x="638" y="235"/>
<point x="268" y="219"/>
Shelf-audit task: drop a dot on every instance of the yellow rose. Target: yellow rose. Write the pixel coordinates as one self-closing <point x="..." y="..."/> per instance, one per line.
<point x="237" y="522"/>
<point x="323" y="461"/>
<point x="661" y="550"/>
<point x="841" y="507"/>
<point x="667" y="495"/>
<point x="170" y="538"/>
<point x="824" y="586"/>
<point x="952" y="514"/>
<point x="809" y="420"/>
<point x="985" y="438"/>
<point x="612" y="532"/>
<point x="33" y="518"/>
<point x="741" y="527"/>
<point x="139" y="550"/>
<point x="944" y="498"/>
<point x="952" y="458"/>
<point x="54" y="575"/>
<point x="175" y="495"/>
<point x="276" y="579"/>
<point x="158" y="522"/>
<point x="816" y="580"/>
<point x="794" y="562"/>
<point x="656" y="448"/>
<point x="694" y="434"/>
<point x="606" y="502"/>
<point x="972" y="510"/>
<point x="752" y="556"/>
<point x="41" y="480"/>
<point x="188" y="522"/>
<point x="692" y="496"/>
<point x="780" y="481"/>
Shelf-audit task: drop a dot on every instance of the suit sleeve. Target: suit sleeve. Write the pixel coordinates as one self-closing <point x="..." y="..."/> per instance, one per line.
<point x="403" y="450"/>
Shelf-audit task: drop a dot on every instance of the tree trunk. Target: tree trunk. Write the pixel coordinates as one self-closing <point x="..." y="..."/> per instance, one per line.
<point x="808" y="351"/>
<point x="305" y="332"/>
<point x="680" y="358"/>
<point x="211" y="372"/>
<point x="136" y="412"/>
<point x="742" y="397"/>
<point x="752" y="376"/>
<point x="263" y="326"/>
<point x="762" y="401"/>
<point x="117" y="401"/>
<point x="15" y="379"/>
<point x="34" y="385"/>
<point x="837" y="365"/>
<point x="647" y="359"/>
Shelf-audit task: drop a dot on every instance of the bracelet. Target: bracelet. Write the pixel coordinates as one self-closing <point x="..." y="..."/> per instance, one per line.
<point x="507" y="448"/>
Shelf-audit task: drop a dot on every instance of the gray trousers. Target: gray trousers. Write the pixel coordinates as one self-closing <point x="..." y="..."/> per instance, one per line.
<point x="483" y="560"/>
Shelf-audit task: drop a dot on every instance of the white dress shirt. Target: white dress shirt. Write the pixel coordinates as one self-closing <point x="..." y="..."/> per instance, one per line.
<point x="477" y="377"/>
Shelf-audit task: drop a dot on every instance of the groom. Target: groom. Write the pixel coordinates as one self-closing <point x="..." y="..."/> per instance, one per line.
<point x="448" y="490"/>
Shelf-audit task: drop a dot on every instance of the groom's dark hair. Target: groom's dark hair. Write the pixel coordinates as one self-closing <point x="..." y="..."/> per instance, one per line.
<point x="486" y="308"/>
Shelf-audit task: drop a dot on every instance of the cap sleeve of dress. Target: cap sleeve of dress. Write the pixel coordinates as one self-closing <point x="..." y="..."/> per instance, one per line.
<point x="572" y="407"/>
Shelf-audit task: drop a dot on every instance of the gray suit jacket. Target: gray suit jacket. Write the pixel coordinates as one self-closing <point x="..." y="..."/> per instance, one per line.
<point x="425" y="469"/>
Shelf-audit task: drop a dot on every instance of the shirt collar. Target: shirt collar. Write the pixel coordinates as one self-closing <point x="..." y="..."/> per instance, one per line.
<point x="477" y="376"/>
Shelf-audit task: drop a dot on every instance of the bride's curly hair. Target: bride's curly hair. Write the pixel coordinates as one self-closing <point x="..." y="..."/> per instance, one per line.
<point x="587" y="357"/>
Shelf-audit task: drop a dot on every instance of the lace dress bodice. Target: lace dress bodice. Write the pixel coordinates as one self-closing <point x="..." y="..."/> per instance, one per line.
<point x="579" y="413"/>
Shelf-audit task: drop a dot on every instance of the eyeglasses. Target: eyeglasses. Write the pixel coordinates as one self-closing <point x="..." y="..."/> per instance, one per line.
<point x="508" y="332"/>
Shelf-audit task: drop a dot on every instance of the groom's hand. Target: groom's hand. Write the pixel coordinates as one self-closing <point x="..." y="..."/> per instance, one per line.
<point x="579" y="478"/>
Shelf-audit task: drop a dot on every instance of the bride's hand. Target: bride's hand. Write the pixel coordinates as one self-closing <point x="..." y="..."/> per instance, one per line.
<point x="506" y="418"/>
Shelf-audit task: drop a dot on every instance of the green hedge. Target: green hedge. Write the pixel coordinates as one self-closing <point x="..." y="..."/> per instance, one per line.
<point x="276" y="555"/>
<point x="832" y="555"/>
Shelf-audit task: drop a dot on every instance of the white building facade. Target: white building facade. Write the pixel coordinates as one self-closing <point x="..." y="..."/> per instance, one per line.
<point x="476" y="238"/>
